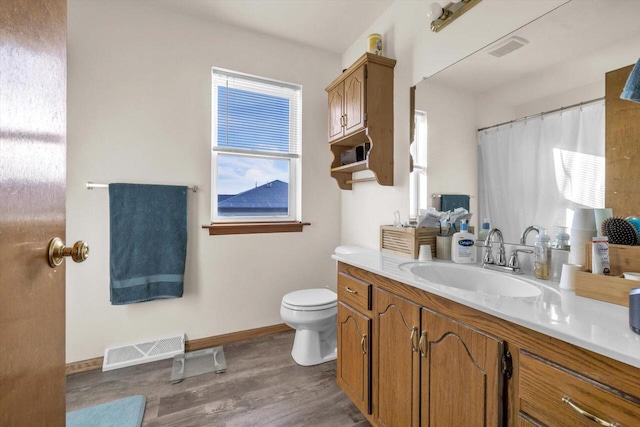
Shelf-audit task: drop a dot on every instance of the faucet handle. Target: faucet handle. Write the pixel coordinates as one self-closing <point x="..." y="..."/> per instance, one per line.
<point x="488" y="256"/>
<point x="514" y="262"/>
<point x="501" y="258"/>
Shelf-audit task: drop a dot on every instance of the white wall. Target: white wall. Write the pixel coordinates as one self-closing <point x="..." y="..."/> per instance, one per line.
<point x="139" y="111"/>
<point x="452" y="153"/>
<point x="421" y="52"/>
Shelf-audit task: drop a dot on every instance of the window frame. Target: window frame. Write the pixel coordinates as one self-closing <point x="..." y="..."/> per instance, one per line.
<point x="269" y="87"/>
<point x="419" y="147"/>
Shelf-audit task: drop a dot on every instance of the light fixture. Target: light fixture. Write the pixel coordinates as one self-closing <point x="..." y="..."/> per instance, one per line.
<point x="441" y="17"/>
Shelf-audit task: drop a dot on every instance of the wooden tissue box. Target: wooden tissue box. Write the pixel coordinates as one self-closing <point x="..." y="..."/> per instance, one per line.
<point x="406" y="241"/>
<point x="614" y="289"/>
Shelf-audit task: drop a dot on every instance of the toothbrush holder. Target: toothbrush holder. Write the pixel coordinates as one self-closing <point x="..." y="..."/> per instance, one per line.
<point x="443" y="247"/>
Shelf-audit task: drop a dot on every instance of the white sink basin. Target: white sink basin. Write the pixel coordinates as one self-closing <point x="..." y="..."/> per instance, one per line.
<point x="476" y="280"/>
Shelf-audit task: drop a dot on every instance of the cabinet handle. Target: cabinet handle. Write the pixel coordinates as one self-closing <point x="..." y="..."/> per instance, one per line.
<point x="342" y="120"/>
<point x="584" y="413"/>
<point x="421" y="344"/>
<point x="362" y="344"/>
<point x="345" y="120"/>
<point x="351" y="291"/>
<point x="414" y="333"/>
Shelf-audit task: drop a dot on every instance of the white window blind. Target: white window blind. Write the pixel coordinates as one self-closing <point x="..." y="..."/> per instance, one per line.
<point x="256" y="116"/>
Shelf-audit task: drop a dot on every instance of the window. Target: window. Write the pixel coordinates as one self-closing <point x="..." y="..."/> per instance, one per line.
<point x="255" y="139"/>
<point x="418" y="178"/>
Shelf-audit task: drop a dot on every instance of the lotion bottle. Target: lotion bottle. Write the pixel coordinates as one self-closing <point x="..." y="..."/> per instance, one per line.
<point x="463" y="248"/>
<point x="542" y="255"/>
<point x="484" y="229"/>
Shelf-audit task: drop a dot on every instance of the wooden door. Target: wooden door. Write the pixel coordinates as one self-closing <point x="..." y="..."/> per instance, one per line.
<point x="396" y="362"/>
<point x="336" y="120"/>
<point x="32" y="211"/>
<point x="354" y="356"/>
<point x="354" y="101"/>
<point x="461" y="375"/>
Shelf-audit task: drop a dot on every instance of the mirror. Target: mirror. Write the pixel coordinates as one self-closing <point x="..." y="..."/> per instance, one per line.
<point x="561" y="61"/>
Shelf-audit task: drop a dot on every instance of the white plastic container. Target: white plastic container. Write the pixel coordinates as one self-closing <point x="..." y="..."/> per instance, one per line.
<point x="484" y="229"/>
<point x="542" y="255"/>
<point x="463" y="249"/>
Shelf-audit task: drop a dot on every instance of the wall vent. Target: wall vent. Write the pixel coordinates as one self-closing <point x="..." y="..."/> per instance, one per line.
<point x="507" y="46"/>
<point x="147" y="351"/>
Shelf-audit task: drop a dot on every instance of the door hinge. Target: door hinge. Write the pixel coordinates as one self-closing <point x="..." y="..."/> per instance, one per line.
<point x="507" y="365"/>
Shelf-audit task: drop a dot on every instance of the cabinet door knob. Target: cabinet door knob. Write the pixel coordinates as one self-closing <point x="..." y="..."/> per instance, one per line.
<point x="362" y="344"/>
<point x="586" y="414"/>
<point x="351" y="291"/>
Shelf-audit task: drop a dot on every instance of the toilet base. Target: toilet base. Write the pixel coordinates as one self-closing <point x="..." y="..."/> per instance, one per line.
<point x="313" y="348"/>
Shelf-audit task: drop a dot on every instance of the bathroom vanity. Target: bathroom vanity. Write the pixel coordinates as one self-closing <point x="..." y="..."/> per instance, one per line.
<point x="413" y="352"/>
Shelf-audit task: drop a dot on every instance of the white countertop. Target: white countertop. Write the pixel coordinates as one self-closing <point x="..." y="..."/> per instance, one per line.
<point x="594" y="325"/>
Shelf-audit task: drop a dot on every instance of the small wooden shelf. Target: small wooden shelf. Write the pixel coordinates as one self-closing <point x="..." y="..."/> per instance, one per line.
<point x="351" y="167"/>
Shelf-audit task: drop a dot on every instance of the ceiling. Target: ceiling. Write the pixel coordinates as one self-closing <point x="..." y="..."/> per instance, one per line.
<point x="326" y="24"/>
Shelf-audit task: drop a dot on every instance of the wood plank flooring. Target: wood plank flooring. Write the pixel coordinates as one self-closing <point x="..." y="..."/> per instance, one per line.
<point x="262" y="386"/>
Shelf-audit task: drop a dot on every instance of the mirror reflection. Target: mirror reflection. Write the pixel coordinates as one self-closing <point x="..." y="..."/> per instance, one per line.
<point x="520" y="125"/>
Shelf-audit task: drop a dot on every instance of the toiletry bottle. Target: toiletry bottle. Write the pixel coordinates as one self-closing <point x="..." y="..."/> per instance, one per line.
<point x="484" y="230"/>
<point x="562" y="238"/>
<point x="463" y="248"/>
<point x="542" y="255"/>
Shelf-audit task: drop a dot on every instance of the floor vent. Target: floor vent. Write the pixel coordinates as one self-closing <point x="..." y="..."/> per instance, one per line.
<point x="148" y="351"/>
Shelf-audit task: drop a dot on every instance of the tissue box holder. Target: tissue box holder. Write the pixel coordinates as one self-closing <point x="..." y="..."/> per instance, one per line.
<point x="406" y="241"/>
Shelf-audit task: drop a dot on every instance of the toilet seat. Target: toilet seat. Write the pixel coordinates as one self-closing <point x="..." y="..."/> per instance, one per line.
<point x="310" y="300"/>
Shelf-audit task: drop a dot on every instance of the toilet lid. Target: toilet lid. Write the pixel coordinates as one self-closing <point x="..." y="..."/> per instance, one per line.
<point x="310" y="299"/>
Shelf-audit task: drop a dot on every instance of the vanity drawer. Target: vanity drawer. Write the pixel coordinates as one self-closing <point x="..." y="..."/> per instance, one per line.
<point x="548" y="391"/>
<point x="354" y="292"/>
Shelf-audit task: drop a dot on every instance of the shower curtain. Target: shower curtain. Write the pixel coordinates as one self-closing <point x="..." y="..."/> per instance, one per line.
<point x="538" y="171"/>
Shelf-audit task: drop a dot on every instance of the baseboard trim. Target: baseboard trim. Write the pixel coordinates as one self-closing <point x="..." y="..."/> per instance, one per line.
<point x="190" y="345"/>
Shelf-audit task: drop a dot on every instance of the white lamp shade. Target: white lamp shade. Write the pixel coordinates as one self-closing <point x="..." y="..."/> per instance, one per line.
<point x="434" y="11"/>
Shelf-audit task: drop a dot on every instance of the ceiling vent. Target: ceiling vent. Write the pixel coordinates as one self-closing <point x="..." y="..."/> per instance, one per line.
<point x="507" y="46"/>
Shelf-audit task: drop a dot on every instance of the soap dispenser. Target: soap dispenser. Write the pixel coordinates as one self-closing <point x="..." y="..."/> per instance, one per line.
<point x="463" y="248"/>
<point x="484" y="229"/>
<point x="562" y="238"/>
<point x="542" y="255"/>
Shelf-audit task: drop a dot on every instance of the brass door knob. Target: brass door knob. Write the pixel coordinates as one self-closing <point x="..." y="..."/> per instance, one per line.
<point x="57" y="251"/>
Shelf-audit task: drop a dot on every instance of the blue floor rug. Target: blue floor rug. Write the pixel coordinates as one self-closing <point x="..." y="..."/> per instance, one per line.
<point x="127" y="412"/>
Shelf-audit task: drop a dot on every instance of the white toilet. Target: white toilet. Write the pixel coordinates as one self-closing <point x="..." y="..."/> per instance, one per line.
<point x="313" y="314"/>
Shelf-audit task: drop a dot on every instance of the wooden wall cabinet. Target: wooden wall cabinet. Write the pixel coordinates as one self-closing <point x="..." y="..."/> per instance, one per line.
<point x="361" y="111"/>
<point x="436" y="362"/>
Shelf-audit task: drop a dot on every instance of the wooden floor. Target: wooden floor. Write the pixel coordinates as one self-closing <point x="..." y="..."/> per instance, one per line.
<point x="261" y="387"/>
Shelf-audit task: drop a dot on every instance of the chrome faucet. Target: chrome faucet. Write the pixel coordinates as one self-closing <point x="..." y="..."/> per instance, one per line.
<point x="488" y="256"/>
<point x="525" y="233"/>
<point x="500" y="262"/>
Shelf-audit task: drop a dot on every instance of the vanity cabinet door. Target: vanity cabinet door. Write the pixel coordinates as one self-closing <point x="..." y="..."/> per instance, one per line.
<point x="354" y="356"/>
<point x="461" y="374"/>
<point x="396" y="361"/>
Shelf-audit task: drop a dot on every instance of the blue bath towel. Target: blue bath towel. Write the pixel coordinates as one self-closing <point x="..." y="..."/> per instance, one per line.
<point x="631" y="91"/>
<point x="148" y="242"/>
<point x="449" y="202"/>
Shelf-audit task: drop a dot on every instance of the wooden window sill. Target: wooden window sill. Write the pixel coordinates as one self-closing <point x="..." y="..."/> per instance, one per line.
<point x="222" y="228"/>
